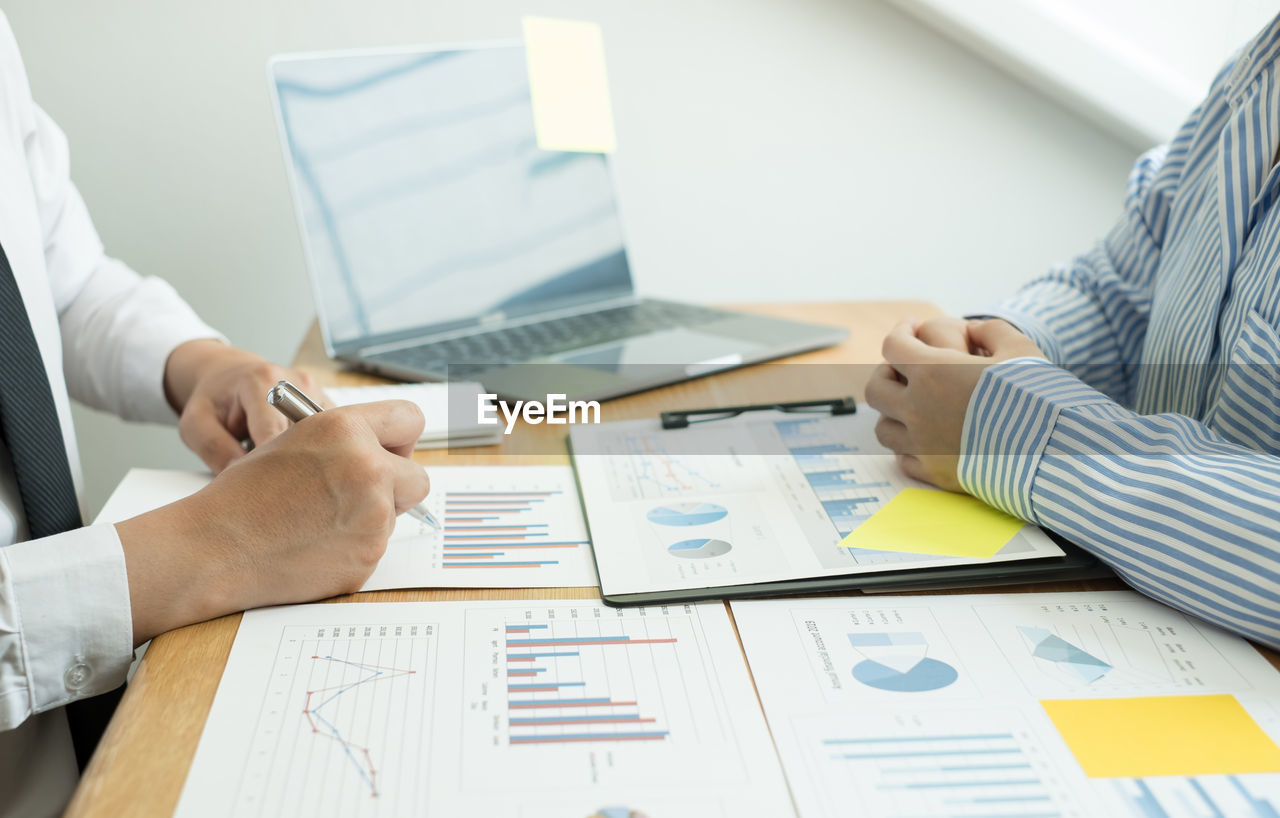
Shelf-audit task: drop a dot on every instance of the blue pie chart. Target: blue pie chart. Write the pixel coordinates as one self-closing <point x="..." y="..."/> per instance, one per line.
<point x="927" y="674"/>
<point x="687" y="514"/>
<point x="699" y="549"/>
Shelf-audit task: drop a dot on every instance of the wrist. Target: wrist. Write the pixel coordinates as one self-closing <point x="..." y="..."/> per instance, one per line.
<point x="175" y="567"/>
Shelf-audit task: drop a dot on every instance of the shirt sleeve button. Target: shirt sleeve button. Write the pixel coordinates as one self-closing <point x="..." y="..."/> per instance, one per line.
<point x="77" y="676"/>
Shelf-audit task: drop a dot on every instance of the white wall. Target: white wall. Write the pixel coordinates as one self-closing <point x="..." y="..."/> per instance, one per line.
<point x="769" y="149"/>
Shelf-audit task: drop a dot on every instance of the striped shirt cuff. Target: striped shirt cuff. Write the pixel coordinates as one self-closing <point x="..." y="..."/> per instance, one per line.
<point x="1009" y="421"/>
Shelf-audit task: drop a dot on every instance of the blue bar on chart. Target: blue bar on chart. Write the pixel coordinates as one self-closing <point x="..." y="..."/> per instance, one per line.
<point x="548" y="704"/>
<point x="1228" y="796"/>
<point x="964" y="775"/>
<point x="500" y="529"/>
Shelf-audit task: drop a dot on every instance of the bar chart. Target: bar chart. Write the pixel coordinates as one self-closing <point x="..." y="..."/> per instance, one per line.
<point x="597" y="695"/>
<point x="531" y="661"/>
<point x="934" y="763"/>
<point x="1237" y="796"/>
<point x="506" y="526"/>
<point x="850" y="484"/>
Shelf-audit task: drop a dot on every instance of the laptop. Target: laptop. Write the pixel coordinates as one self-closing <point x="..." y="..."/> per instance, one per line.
<point x="443" y="243"/>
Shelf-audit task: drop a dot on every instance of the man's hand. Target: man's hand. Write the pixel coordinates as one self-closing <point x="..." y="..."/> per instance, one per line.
<point x="945" y="332"/>
<point x="305" y="516"/>
<point x="922" y="392"/>
<point x="220" y="393"/>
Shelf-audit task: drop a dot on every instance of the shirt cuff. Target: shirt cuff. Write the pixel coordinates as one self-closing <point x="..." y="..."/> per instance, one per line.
<point x="69" y="599"/>
<point x="1010" y="418"/>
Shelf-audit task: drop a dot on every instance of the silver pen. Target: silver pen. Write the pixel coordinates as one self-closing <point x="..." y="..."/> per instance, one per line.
<point x="293" y="403"/>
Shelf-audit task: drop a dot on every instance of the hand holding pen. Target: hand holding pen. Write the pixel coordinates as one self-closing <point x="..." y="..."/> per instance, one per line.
<point x="295" y="405"/>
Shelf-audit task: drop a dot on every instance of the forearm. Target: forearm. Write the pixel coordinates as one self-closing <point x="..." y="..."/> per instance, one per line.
<point x="1180" y="513"/>
<point x="175" y="559"/>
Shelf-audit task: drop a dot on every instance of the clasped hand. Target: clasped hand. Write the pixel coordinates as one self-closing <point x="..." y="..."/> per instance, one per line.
<point x="923" y="388"/>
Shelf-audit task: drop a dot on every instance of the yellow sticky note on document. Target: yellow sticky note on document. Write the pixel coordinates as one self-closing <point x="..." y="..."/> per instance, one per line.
<point x="568" y="86"/>
<point x="1163" y="735"/>
<point x="925" y="521"/>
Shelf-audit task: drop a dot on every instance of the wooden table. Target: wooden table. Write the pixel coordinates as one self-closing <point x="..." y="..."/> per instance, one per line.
<point x="142" y="763"/>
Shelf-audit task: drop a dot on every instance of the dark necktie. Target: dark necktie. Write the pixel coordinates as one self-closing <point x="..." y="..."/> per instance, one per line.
<point x="32" y="434"/>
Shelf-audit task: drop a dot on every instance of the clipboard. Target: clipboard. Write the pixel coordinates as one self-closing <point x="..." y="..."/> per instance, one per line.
<point x="1073" y="564"/>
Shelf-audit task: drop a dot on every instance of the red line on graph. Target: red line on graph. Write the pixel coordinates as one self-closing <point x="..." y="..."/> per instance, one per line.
<point x="591" y="738"/>
<point x="520" y="658"/>
<point x="455" y="546"/>
<point x="497" y="501"/>
<point x="354" y="751"/>
<point x="490" y="528"/>
<point x="601" y="720"/>
<point x="495" y="565"/>
<point x="553" y="703"/>
<point x="555" y="642"/>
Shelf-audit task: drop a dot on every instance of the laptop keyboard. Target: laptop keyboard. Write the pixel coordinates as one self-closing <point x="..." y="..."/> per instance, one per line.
<point x="475" y="353"/>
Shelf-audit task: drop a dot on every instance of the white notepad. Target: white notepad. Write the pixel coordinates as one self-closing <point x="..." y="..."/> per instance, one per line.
<point x="434" y="400"/>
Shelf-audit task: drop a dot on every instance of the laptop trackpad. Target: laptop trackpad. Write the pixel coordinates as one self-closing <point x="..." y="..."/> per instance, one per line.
<point x="696" y="352"/>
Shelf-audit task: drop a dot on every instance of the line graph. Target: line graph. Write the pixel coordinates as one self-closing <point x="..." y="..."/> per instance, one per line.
<point x="345" y="723"/>
<point x="358" y="754"/>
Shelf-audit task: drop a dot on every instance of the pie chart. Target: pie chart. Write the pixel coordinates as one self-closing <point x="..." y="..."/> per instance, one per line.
<point x="699" y="549"/>
<point x="927" y="674"/>
<point x="687" y="514"/>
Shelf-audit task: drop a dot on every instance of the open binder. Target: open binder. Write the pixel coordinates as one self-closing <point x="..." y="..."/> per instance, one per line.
<point x="751" y="501"/>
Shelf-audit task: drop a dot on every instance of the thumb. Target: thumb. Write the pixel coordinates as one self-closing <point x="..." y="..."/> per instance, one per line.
<point x="995" y="335"/>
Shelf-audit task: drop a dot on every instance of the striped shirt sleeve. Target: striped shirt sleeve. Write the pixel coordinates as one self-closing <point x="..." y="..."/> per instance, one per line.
<point x="1090" y="314"/>
<point x="1179" y="512"/>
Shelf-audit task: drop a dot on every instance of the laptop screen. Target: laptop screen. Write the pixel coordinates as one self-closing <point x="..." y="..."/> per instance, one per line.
<point x="424" y="200"/>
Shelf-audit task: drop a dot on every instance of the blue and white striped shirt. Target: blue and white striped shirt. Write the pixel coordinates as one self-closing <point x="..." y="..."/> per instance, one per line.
<point x="1152" y="438"/>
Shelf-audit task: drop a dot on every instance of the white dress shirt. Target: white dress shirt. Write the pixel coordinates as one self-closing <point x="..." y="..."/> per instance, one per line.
<point x="105" y="334"/>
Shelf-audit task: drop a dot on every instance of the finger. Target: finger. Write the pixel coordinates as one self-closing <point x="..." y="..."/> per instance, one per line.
<point x="411" y="484"/>
<point x="945" y="333"/>
<point x="994" y="335"/>
<point x="264" y="420"/>
<point x="885" y="392"/>
<point x="203" y="432"/>
<point x="892" y="434"/>
<point x="904" y="351"/>
<point x="397" y="424"/>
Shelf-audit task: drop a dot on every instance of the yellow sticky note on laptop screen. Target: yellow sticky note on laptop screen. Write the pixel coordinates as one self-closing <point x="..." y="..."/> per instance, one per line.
<point x="568" y="86"/>
<point x="925" y="521"/>
<point x="1163" y="735"/>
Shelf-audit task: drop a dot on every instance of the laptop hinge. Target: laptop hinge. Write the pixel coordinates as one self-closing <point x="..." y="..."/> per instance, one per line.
<point x="499" y="322"/>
